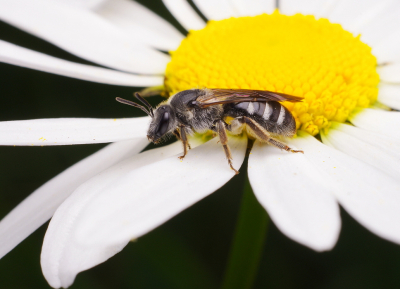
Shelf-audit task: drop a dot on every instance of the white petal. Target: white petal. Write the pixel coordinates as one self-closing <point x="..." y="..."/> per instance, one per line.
<point x="384" y="23"/>
<point x="381" y="141"/>
<point x="372" y="148"/>
<point x="380" y="121"/>
<point x="353" y="15"/>
<point x="253" y="7"/>
<point x="295" y="195"/>
<point x="82" y="33"/>
<point x="387" y="49"/>
<point x="100" y="218"/>
<point x="185" y="14"/>
<point x="216" y="10"/>
<point x="38" y="208"/>
<point x="13" y="54"/>
<point x="141" y="24"/>
<point x="85" y="4"/>
<point x="57" y="246"/>
<point x="370" y="16"/>
<point x="367" y="194"/>
<point x="390" y="72"/>
<point x="389" y="94"/>
<point x="64" y="131"/>
<point x="318" y="8"/>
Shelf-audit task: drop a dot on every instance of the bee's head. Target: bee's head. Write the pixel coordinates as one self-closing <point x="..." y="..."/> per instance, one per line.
<point x="163" y="119"/>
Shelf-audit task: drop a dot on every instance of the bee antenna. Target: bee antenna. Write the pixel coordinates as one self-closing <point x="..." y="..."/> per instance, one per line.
<point x="131" y="103"/>
<point x="145" y="102"/>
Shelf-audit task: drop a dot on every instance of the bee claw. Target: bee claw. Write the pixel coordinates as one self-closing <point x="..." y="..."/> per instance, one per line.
<point x="297" y="151"/>
<point x="232" y="168"/>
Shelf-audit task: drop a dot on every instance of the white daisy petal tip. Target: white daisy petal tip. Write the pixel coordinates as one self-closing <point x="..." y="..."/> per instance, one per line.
<point x="303" y="208"/>
<point x="367" y="193"/>
<point x="126" y="201"/>
<point x="65" y="278"/>
<point x="60" y="256"/>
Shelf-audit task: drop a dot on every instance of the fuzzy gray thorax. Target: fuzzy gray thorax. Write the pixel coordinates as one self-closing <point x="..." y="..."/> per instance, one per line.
<point x="198" y="119"/>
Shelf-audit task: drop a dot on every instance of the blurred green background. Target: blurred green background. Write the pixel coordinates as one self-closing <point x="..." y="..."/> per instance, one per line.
<point x="189" y="251"/>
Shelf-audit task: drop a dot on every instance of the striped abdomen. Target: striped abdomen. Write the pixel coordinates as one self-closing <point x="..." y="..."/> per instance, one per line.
<point x="271" y="115"/>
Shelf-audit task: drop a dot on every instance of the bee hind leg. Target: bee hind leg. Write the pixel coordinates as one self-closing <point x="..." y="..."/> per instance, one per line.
<point x="264" y="136"/>
<point x="223" y="137"/>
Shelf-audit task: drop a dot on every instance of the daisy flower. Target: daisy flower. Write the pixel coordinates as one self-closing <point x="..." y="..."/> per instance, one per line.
<point x="340" y="56"/>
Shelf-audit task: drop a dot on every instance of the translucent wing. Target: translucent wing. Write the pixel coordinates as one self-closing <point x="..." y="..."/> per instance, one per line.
<point x="216" y="96"/>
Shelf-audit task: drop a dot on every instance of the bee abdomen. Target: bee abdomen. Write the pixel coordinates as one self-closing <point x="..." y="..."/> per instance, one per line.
<point x="274" y="112"/>
<point x="273" y="116"/>
<point x="278" y="119"/>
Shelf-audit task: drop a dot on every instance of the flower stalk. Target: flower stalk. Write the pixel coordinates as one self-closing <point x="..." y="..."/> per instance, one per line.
<point x="248" y="242"/>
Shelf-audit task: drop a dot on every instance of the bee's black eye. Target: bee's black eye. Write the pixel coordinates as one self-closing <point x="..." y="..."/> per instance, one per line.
<point x="164" y="124"/>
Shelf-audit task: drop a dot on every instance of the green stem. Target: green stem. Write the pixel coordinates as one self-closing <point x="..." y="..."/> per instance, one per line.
<point x="247" y="244"/>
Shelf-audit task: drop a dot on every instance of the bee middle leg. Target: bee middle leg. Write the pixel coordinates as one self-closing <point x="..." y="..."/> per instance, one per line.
<point x="223" y="137"/>
<point x="263" y="135"/>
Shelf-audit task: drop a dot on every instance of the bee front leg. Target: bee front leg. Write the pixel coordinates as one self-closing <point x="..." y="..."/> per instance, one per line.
<point x="177" y="134"/>
<point x="183" y="137"/>
<point x="223" y="137"/>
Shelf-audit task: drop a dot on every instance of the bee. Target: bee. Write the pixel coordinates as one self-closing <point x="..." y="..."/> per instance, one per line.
<point x="199" y="110"/>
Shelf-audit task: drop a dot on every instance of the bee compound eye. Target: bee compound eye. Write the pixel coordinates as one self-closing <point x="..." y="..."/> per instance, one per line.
<point x="163" y="124"/>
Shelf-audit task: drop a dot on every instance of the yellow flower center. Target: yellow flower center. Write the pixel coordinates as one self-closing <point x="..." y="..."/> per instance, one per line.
<point x="330" y="68"/>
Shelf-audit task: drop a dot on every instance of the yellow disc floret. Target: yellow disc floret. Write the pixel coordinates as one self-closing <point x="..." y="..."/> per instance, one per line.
<point x="330" y="68"/>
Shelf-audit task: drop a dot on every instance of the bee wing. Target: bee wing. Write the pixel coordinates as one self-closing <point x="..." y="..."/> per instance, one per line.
<point x="223" y="96"/>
